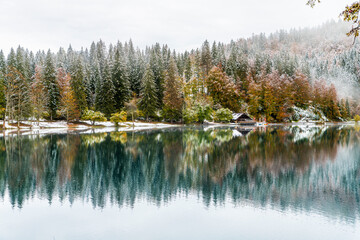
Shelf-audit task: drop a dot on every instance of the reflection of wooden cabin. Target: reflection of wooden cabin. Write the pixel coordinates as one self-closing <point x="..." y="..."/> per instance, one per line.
<point x="242" y="119"/>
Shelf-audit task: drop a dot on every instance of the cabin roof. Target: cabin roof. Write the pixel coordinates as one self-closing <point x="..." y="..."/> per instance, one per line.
<point x="236" y="116"/>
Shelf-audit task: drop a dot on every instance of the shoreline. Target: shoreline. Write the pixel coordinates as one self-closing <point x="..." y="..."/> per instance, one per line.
<point x="62" y="127"/>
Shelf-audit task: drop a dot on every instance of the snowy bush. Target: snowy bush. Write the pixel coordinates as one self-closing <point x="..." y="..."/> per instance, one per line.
<point x="93" y="116"/>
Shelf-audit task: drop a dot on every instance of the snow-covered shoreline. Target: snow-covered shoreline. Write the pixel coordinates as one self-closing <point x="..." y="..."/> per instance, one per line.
<point x="62" y="127"/>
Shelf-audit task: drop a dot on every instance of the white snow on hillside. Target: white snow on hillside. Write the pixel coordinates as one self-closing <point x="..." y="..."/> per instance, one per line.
<point x="308" y="115"/>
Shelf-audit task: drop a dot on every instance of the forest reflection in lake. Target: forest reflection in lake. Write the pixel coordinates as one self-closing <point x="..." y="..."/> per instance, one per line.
<point x="314" y="169"/>
<point x="285" y="167"/>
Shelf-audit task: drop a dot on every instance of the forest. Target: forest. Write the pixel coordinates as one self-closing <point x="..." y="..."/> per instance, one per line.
<point x="269" y="77"/>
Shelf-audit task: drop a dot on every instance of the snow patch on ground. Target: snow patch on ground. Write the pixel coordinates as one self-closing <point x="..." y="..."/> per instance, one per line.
<point x="59" y="127"/>
<point x="310" y="115"/>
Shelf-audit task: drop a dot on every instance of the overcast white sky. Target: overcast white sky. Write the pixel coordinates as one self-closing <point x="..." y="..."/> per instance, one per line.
<point x="182" y="24"/>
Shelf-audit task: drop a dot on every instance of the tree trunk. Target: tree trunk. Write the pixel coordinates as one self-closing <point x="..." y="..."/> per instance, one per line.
<point x="132" y="117"/>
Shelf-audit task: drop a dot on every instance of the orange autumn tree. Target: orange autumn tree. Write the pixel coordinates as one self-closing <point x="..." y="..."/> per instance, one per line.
<point x="301" y="90"/>
<point x="222" y="89"/>
<point x="68" y="105"/>
<point x="173" y="99"/>
<point x="331" y="107"/>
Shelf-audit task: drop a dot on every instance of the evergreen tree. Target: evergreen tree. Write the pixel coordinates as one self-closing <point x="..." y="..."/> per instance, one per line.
<point x="2" y="81"/>
<point x="107" y="93"/>
<point x="94" y="83"/>
<point x="148" y="97"/>
<point x="17" y="95"/>
<point x="78" y="84"/>
<point x="156" y="65"/>
<point x="20" y="61"/>
<point x="188" y="70"/>
<point x="120" y="80"/>
<point x="52" y="89"/>
<point x="206" y="61"/>
<point x="133" y="69"/>
<point x="348" y="111"/>
<point x="101" y="55"/>
<point x="38" y="96"/>
<point x="214" y="54"/>
<point x="11" y="59"/>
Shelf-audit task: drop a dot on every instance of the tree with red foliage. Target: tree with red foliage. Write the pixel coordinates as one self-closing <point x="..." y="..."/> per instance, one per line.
<point x="222" y="89"/>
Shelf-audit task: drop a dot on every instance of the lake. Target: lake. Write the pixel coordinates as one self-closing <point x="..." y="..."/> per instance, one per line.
<point x="284" y="182"/>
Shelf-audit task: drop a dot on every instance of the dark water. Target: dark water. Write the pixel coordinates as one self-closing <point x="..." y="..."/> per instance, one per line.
<point x="191" y="183"/>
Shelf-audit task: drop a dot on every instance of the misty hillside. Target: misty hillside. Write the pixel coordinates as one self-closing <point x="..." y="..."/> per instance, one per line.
<point x="320" y="52"/>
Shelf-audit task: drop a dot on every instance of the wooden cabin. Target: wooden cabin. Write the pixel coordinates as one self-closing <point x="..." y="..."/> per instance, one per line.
<point x="242" y="119"/>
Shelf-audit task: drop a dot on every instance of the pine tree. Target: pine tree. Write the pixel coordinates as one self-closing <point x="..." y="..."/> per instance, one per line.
<point x="214" y="54"/>
<point x="11" y="59"/>
<point x="206" y="61"/>
<point x="38" y="96"/>
<point x="107" y="93"/>
<point x="173" y="99"/>
<point x="133" y="69"/>
<point x="347" y="106"/>
<point x="50" y="83"/>
<point x="17" y="95"/>
<point x="157" y="67"/>
<point x="94" y="84"/>
<point x="148" y="101"/>
<point x="77" y="83"/>
<point x="120" y="80"/>
<point x="101" y="55"/>
<point x="20" y="61"/>
<point x="2" y="81"/>
<point x="188" y="68"/>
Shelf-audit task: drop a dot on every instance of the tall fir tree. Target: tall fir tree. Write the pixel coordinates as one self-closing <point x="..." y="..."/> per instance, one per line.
<point x="133" y="69"/>
<point x="11" y="59"/>
<point x="107" y="93"/>
<point x="206" y="61"/>
<point x="52" y="89"/>
<point x="157" y="67"/>
<point x="93" y="86"/>
<point x="148" y="98"/>
<point x="2" y="81"/>
<point x="17" y="95"/>
<point x="78" y="83"/>
<point x="120" y="80"/>
<point x="38" y="96"/>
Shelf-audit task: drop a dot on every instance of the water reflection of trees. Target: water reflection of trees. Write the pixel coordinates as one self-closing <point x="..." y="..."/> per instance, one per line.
<point x="314" y="169"/>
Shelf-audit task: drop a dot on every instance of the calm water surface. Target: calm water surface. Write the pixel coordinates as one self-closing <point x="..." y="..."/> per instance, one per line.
<point x="190" y="183"/>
